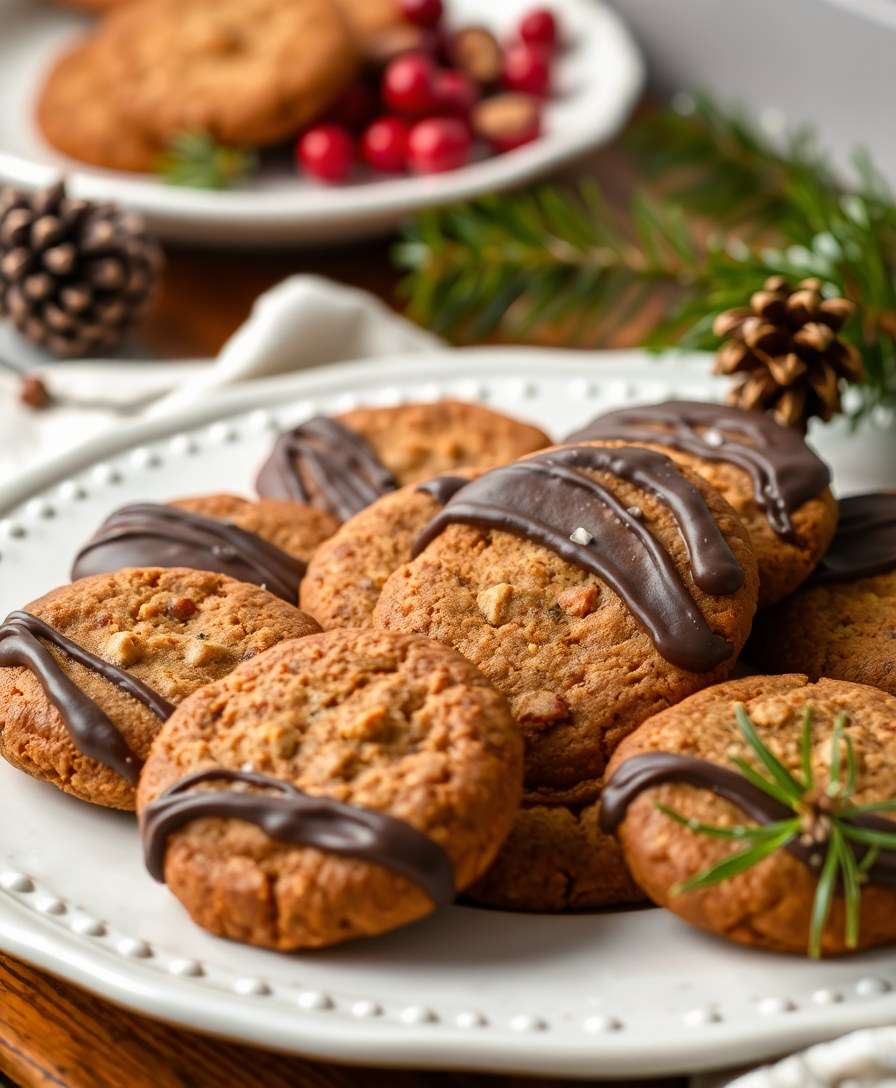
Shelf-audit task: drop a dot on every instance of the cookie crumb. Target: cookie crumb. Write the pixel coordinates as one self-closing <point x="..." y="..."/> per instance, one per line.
<point x="123" y="649"/>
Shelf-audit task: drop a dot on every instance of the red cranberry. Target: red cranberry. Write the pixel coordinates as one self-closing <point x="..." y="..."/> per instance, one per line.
<point x="527" y="68"/>
<point x="384" y="145"/>
<point x="326" y="152"/>
<point x="539" y="27"/>
<point x="409" y="84"/>
<point x="354" y="107"/>
<point x="439" y="144"/>
<point x="455" y="92"/>
<point x="422" y="12"/>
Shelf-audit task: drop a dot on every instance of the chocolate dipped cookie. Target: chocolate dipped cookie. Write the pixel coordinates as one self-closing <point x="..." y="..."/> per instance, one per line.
<point x="842" y="623"/>
<point x="89" y="672"/>
<point x="780" y="771"/>
<point x="344" y="463"/>
<point x="335" y="787"/>
<point x="777" y="485"/>
<point x="266" y="543"/>
<point x="592" y="585"/>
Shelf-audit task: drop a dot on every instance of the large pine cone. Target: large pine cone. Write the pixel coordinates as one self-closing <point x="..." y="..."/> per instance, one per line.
<point x="786" y="348"/>
<point x="74" y="275"/>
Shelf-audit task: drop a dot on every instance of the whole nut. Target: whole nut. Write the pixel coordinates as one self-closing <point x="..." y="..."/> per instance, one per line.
<point x="124" y="648"/>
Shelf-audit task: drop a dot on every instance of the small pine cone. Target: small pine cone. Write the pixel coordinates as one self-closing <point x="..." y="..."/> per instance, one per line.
<point x="786" y="352"/>
<point x="74" y="276"/>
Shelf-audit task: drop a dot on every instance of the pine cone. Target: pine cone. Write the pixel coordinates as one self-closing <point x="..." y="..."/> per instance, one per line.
<point x="786" y="348"/>
<point x="73" y="275"/>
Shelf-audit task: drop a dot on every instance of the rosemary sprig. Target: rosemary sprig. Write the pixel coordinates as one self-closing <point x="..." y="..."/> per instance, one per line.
<point x="195" y="160"/>
<point x="826" y="818"/>
<point x="554" y="259"/>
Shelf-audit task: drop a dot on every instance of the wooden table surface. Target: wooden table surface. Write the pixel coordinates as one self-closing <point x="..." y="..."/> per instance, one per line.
<point x="53" y="1034"/>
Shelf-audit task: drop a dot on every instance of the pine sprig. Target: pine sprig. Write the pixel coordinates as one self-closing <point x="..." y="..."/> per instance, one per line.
<point x="197" y="161"/>
<point x="824" y="820"/>
<point x="559" y="260"/>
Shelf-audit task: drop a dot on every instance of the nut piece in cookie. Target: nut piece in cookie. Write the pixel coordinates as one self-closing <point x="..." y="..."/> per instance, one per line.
<point x="772" y="479"/>
<point x="771" y="770"/>
<point x="344" y="463"/>
<point x="842" y="622"/>
<point x="266" y="543"/>
<point x="348" y="571"/>
<point x="89" y="672"/>
<point x="347" y="783"/>
<point x="594" y="586"/>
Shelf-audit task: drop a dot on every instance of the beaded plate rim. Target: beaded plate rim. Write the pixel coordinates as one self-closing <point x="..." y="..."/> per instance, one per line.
<point x="44" y="928"/>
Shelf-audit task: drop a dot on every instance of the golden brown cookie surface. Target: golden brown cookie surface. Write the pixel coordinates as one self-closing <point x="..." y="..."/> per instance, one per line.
<point x="247" y="72"/>
<point x="78" y="112"/>
<point x="579" y="669"/>
<point x="396" y="724"/>
<point x="556" y="858"/>
<point x="347" y="573"/>
<point x="173" y="630"/>
<point x="770" y="904"/>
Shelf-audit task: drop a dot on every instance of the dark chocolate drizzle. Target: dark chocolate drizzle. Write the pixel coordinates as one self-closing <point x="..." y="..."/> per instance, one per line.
<point x="151" y="535"/>
<point x="291" y="816"/>
<point x="90" y="728"/>
<point x="644" y="772"/>
<point x="865" y="543"/>
<point x="443" y="488"/>
<point x="784" y="471"/>
<point x="325" y="464"/>
<point x="546" y="497"/>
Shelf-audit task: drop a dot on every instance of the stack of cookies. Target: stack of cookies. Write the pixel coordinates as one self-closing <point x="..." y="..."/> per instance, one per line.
<point x="510" y="678"/>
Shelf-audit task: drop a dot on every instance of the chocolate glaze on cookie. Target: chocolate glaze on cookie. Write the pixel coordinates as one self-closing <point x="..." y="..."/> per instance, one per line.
<point x="91" y="729"/>
<point x="292" y="816"/>
<point x="644" y="772"/>
<point x="151" y="535"/>
<point x="325" y="464"/>
<point x="865" y="544"/>
<point x="443" y="488"/>
<point x="784" y="471"/>
<point x="548" y="498"/>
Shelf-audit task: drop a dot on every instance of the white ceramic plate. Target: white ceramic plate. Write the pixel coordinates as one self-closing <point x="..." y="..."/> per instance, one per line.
<point x="629" y="992"/>
<point x="598" y="79"/>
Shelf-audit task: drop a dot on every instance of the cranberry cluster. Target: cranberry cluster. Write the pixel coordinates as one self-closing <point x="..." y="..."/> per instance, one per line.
<point x="436" y="93"/>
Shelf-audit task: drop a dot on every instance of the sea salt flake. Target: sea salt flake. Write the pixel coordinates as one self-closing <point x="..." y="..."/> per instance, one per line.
<point x="581" y="536"/>
<point x="714" y="438"/>
<point x="635" y="511"/>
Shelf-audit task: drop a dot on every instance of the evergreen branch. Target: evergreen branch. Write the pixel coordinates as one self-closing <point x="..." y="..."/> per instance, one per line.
<point x="550" y="259"/>
<point x="195" y="160"/>
<point x="850" y="849"/>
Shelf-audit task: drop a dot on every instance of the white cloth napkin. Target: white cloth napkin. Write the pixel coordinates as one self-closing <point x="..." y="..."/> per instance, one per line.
<point x="303" y="322"/>
<point x="308" y="321"/>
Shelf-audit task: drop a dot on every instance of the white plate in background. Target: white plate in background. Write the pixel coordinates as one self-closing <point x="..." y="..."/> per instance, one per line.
<point x="598" y="79"/>
<point x="631" y="993"/>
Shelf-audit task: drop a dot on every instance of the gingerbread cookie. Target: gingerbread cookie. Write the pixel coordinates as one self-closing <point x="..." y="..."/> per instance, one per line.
<point x="681" y="805"/>
<point x="89" y="672"/>
<point x="768" y="474"/>
<point x="79" y="113"/>
<point x="348" y="571"/>
<point x="247" y="72"/>
<point x="842" y="623"/>
<point x="344" y="463"/>
<point x="592" y="585"/>
<point x="335" y="787"/>
<point x="556" y="858"/>
<point x="266" y="543"/>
